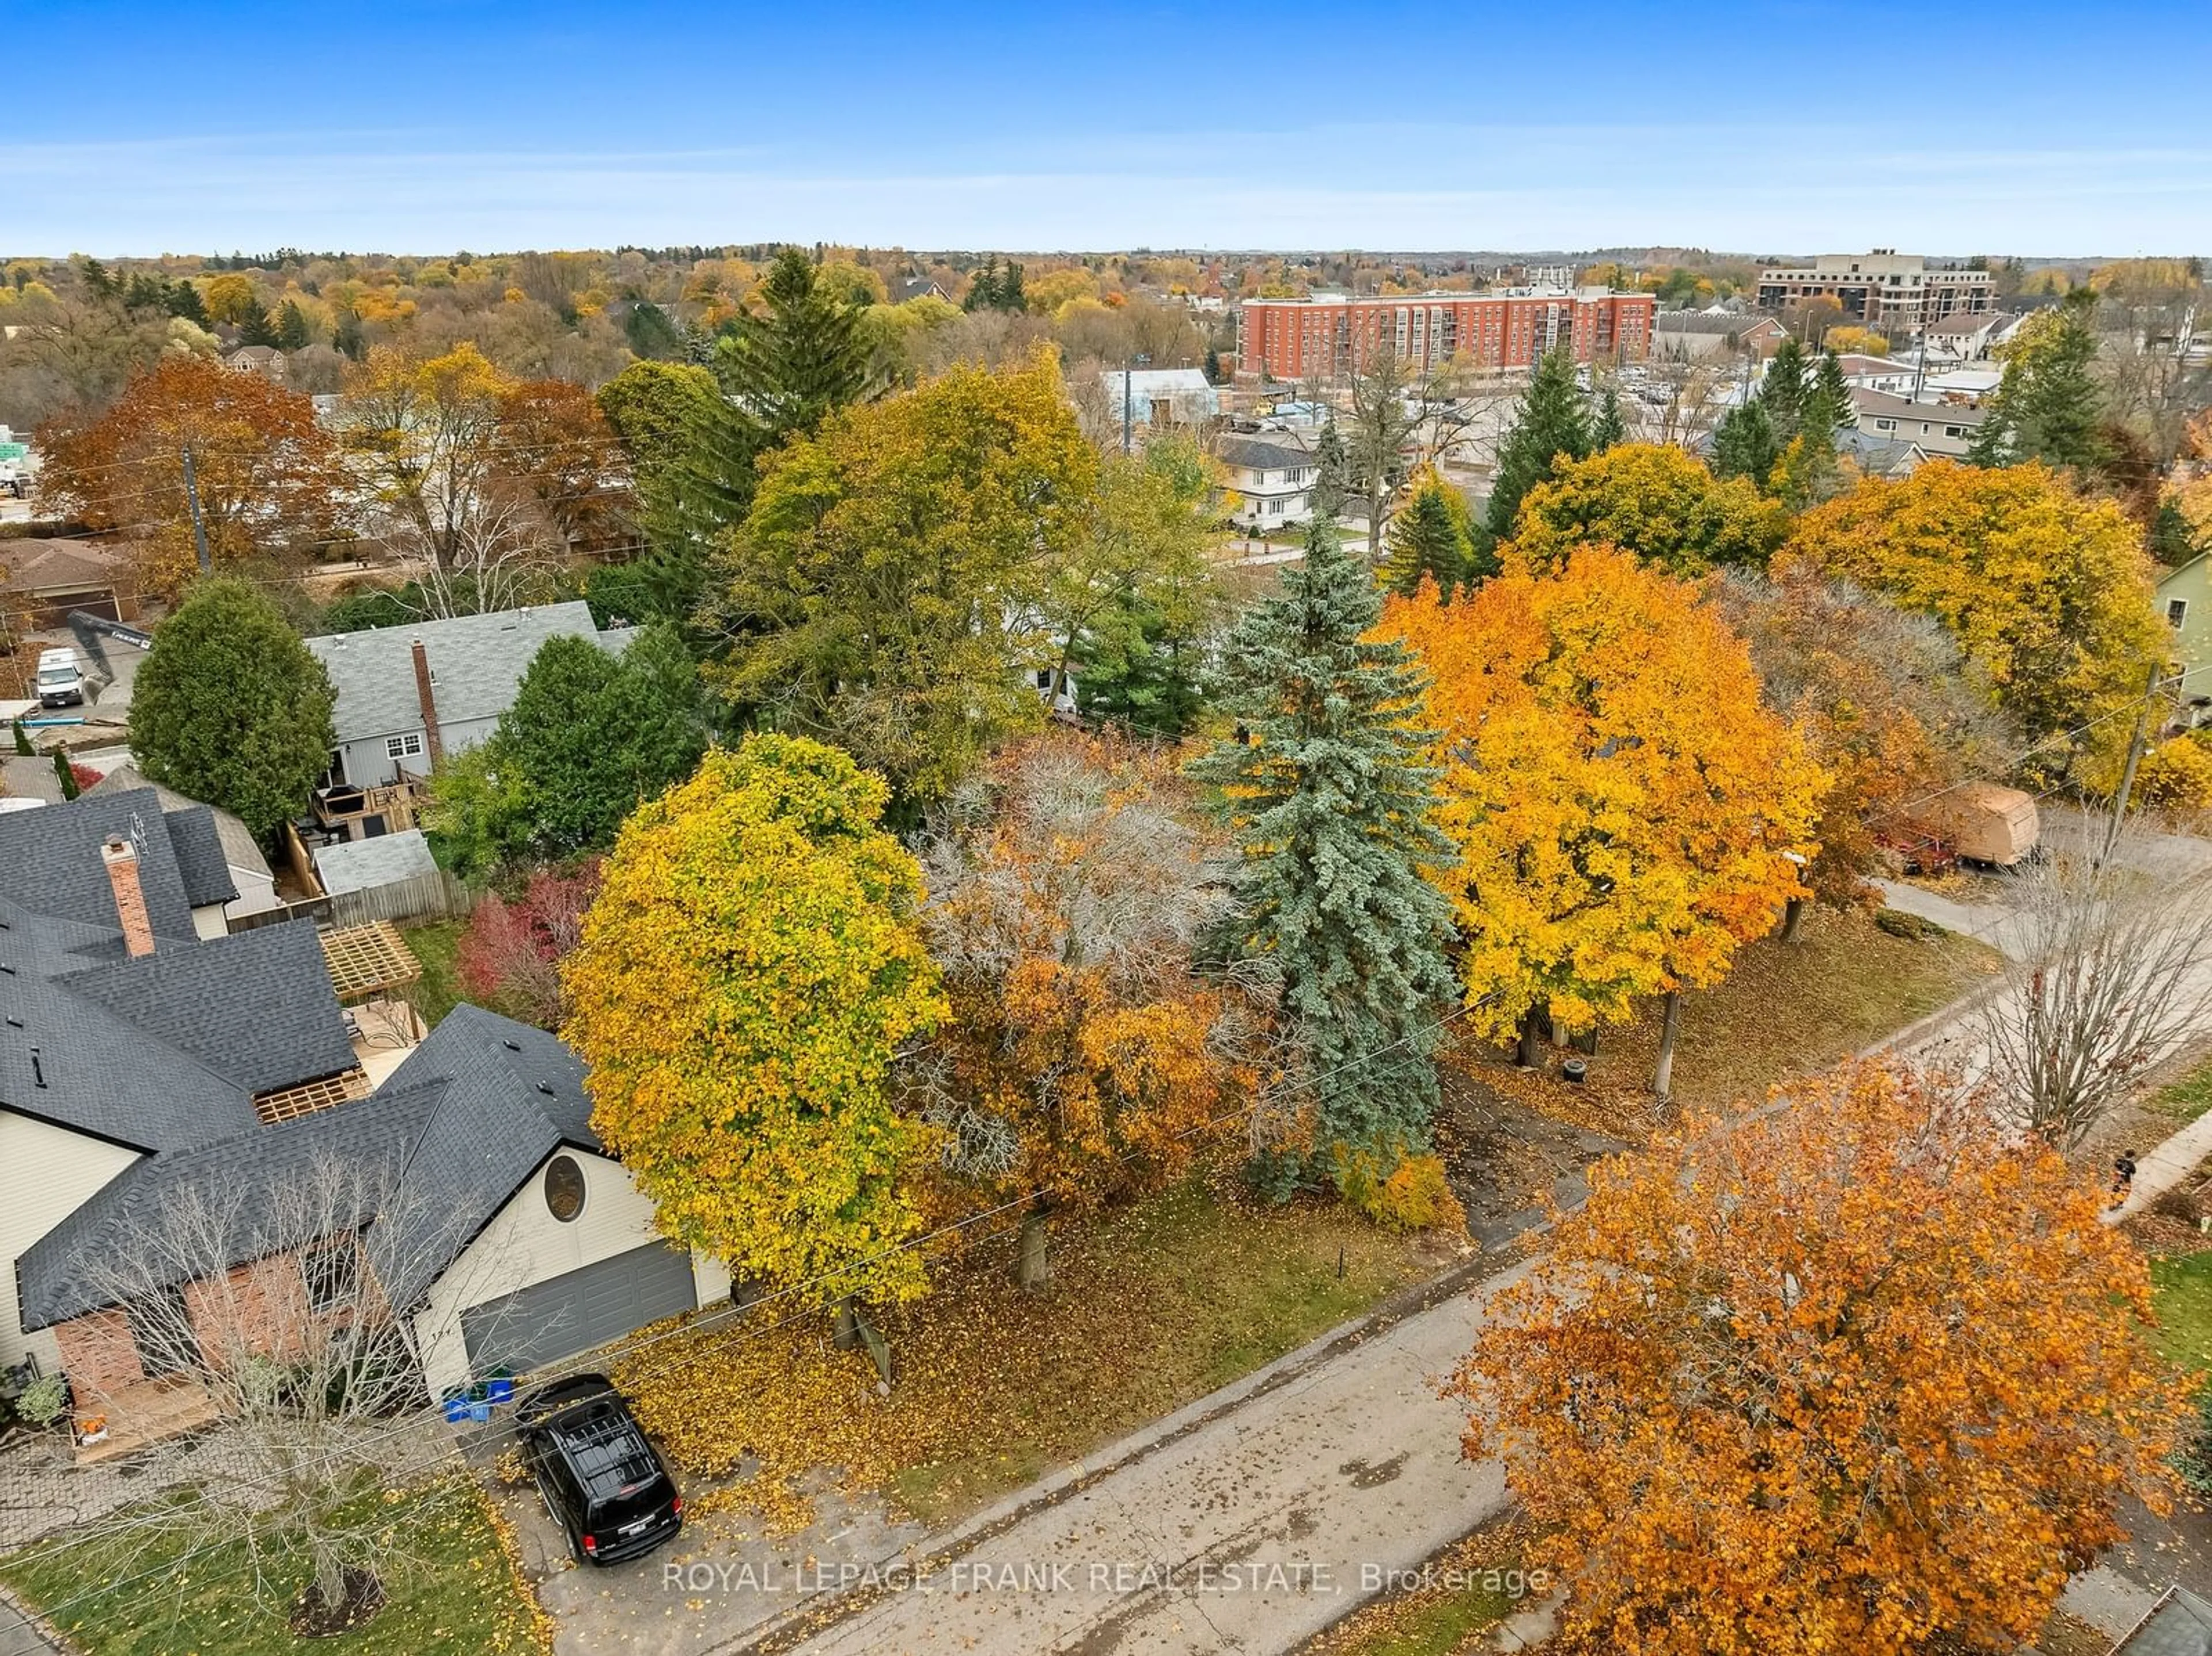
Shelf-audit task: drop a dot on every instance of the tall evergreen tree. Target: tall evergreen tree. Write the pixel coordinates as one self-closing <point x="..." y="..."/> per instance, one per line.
<point x="1332" y="473"/>
<point x="1608" y="427"/>
<point x="292" y="331"/>
<point x="800" y="358"/>
<point x="1744" y="444"/>
<point x="1134" y="667"/>
<point x="983" y="291"/>
<point x="1783" y="392"/>
<point x="256" y="328"/>
<point x="1554" y="423"/>
<point x="183" y="300"/>
<point x="1429" y="538"/>
<point x="1332" y="808"/>
<point x="1828" y="385"/>
<point x="2049" y="406"/>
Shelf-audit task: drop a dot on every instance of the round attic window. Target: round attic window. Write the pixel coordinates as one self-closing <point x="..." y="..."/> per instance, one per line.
<point x="564" y="1188"/>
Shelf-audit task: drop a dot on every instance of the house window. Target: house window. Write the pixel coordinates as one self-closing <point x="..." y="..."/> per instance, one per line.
<point x="408" y="746"/>
<point x="333" y="1276"/>
<point x="1885" y="425"/>
<point x="564" y="1189"/>
<point x="1954" y="431"/>
<point x="2177" y="611"/>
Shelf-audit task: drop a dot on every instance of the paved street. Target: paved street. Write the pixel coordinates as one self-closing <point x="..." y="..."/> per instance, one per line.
<point x="1250" y="1531"/>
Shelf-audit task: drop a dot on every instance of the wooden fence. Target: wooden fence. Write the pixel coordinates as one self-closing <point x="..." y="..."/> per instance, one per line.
<point x="436" y="895"/>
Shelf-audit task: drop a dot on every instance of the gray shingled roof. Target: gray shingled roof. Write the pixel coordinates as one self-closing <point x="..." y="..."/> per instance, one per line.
<point x="255" y="1007"/>
<point x="50" y="860"/>
<point x="476" y="662"/>
<point x="1263" y="454"/>
<point x="364" y="864"/>
<point x="201" y="864"/>
<point x="241" y="850"/>
<point x="1704" y="322"/>
<point x="449" y="1137"/>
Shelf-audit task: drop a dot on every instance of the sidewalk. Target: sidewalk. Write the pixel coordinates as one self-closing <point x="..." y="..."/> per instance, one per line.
<point x="1249" y="1522"/>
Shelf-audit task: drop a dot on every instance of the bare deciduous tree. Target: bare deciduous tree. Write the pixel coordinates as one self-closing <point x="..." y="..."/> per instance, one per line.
<point x="2113" y="971"/>
<point x="268" y="1289"/>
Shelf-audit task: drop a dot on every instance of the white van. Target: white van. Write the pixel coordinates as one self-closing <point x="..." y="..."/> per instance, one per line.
<point x="60" y="683"/>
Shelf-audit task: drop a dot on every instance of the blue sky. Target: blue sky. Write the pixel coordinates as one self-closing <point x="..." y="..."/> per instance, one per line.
<point x="426" y="125"/>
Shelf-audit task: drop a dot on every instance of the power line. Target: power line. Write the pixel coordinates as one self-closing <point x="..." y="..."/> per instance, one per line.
<point x="722" y="1317"/>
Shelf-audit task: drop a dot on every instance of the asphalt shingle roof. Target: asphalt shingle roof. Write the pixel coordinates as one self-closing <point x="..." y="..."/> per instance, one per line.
<point x="50" y="860"/>
<point x="440" y="1147"/>
<point x="255" y="1007"/>
<point x="362" y="864"/>
<point x="476" y="662"/>
<point x="241" y="850"/>
<point x="1264" y="455"/>
<point x="201" y="864"/>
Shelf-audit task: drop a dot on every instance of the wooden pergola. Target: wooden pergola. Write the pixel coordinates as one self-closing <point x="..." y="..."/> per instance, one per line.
<point x="370" y="962"/>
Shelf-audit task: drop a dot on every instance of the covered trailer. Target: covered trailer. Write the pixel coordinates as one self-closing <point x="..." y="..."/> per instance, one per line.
<point x="1981" y="823"/>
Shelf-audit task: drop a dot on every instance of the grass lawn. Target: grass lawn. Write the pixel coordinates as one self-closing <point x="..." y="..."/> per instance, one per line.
<point x="2187" y="1099"/>
<point x="456" y="1593"/>
<point x="1785" y="1008"/>
<point x="434" y="944"/>
<point x="1155" y="1306"/>
<point x="2182" y="1283"/>
<point x="1471" y="1587"/>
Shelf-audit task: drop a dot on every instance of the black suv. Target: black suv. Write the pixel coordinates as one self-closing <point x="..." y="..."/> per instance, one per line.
<point x="604" y="1484"/>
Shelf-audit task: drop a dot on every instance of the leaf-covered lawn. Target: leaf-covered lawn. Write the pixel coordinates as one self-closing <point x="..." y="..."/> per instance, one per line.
<point x="454" y="1592"/>
<point x="2187" y="1098"/>
<point x="1158" y="1305"/>
<point x="1785" y="1008"/>
<point x="1448" y="1605"/>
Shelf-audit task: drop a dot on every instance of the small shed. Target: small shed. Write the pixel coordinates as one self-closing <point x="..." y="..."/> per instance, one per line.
<point x="1981" y="822"/>
<point x="365" y="865"/>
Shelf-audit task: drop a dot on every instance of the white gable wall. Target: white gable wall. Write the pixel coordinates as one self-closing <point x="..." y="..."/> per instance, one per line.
<point x="524" y="1244"/>
<point x="46" y="1174"/>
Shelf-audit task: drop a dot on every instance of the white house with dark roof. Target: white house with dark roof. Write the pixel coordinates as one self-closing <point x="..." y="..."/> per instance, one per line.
<point x="406" y="695"/>
<point x="1273" y="475"/>
<point x="142" y="1059"/>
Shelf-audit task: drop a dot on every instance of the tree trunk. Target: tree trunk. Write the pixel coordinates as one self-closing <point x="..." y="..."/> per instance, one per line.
<point x="1793" y="919"/>
<point x="1031" y="1268"/>
<point x="1662" y="1079"/>
<point x="844" y="1323"/>
<point x="1531" y="1054"/>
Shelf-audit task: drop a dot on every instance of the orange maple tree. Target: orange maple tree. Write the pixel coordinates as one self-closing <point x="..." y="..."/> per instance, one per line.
<point x="267" y="474"/>
<point x="1626" y="813"/>
<point x="1864" y="1373"/>
<point x="1065" y="893"/>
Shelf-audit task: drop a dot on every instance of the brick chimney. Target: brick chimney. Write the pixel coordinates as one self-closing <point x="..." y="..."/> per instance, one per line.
<point x="428" y="699"/>
<point x="129" y="897"/>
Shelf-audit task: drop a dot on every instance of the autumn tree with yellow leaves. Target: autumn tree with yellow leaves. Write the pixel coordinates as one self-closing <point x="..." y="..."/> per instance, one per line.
<point x="1654" y="500"/>
<point x="2048" y="592"/>
<point x="1626" y="813"/>
<point x="1862" y="1373"/>
<point x="747" y="975"/>
<point x="1080" y="1063"/>
<point x="884" y="591"/>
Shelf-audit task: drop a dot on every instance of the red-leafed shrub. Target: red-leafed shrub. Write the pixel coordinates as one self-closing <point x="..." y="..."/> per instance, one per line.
<point x="510" y="955"/>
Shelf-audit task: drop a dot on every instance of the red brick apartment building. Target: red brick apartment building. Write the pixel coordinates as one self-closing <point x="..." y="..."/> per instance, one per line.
<point x="1288" y="339"/>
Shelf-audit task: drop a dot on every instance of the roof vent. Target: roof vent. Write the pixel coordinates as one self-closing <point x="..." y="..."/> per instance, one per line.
<point x="511" y="1046"/>
<point x="38" y="1071"/>
<point x="15" y="1023"/>
<point x="545" y="1089"/>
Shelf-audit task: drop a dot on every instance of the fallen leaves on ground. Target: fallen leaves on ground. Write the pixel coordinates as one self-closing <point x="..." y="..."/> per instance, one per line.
<point x="993" y="1384"/>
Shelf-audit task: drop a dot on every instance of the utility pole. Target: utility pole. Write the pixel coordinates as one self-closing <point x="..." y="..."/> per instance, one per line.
<point x="199" y="529"/>
<point x="2135" y="746"/>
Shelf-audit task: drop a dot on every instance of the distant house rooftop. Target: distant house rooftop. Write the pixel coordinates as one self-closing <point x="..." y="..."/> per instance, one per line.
<point x="476" y="662"/>
<point x="1262" y="455"/>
